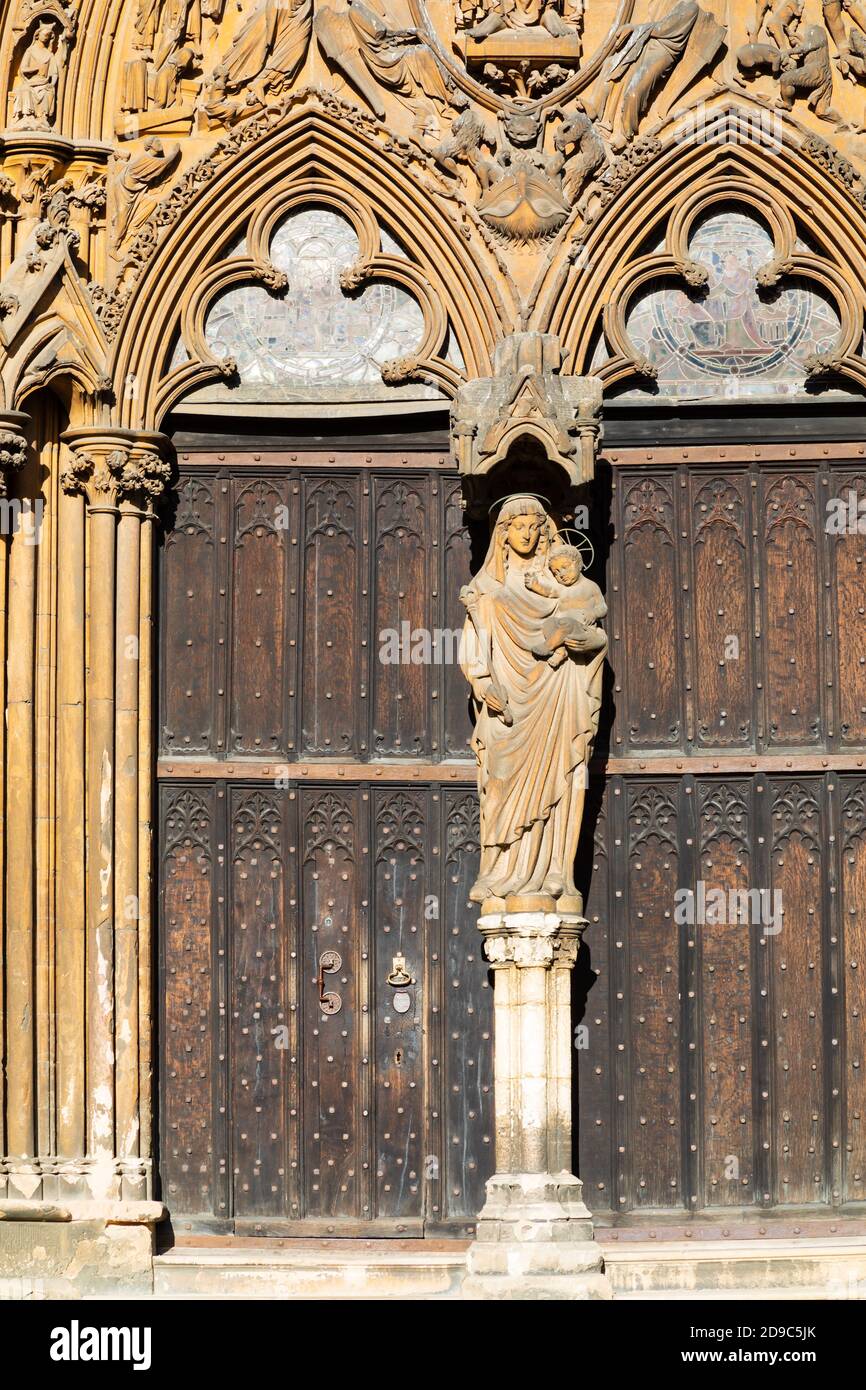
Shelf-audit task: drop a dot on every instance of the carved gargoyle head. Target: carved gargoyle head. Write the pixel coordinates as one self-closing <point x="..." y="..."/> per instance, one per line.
<point x="523" y="128"/>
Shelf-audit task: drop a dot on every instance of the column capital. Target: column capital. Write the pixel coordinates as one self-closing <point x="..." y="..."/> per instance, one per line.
<point x="13" y="445"/>
<point x="529" y="939"/>
<point x="116" y="468"/>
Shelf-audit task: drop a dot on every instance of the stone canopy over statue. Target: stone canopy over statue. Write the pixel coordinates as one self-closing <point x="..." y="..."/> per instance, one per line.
<point x="533" y="654"/>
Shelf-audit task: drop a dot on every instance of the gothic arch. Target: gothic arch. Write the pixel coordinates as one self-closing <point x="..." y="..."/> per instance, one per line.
<point x="456" y="276"/>
<point x="783" y="185"/>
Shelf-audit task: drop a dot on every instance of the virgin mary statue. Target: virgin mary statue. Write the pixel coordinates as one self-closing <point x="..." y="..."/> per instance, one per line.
<point x="537" y="713"/>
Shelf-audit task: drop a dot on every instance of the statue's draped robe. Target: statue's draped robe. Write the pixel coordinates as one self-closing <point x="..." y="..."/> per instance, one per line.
<point x="274" y="37"/>
<point x="530" y="774"/>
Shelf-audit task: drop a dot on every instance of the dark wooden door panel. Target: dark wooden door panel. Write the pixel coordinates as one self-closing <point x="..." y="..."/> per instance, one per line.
<point x="720" y="588"/>
<point x="260" y="623"/>
<point x="334" y="1056"/>
<point x="735" y="1050"/>
<point x="334" y="693"/>
<point x="258" y="944"/>
<point x="326" y="1020"/>
<point x="189" y="613"/>
<point x="326" y="1024"/>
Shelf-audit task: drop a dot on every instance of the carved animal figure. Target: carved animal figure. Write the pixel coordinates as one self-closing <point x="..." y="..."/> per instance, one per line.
<point x="807" y="72"/>
<point x="578" y="131"/>
<point x="463" y="145"/>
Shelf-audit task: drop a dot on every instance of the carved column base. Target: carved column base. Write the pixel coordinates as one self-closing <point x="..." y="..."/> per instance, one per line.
<point x="100" y="1179"/>
<point x="534" y="1237"/>
<point x="534" y="1240"/>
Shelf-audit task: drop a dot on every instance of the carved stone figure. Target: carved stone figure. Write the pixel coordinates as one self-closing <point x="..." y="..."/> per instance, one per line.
<point x="780" y="25"/>
<point x="588" y="154"/>
<point x="141" y="175"/>
<point x="525" y="198"/>
<point x="645" y="60"/>
<point x="537" y="712"/>
<point x="34" y="100"/>
<point x="463" y="144"/>
<point x="524" y="15"/>
<point x="807" y="72"/>
<point x="265" y="55"/>
<point x="366" y="51"/>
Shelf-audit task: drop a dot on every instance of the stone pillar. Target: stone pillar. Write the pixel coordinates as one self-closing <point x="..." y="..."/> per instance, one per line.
<point x="84" y="1188"/>
<point x="19" y="1168"/>
<point x="116" y="475"/>
<point x="534" y="1236"/>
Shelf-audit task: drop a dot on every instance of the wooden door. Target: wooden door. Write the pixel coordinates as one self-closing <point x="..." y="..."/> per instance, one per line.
<point x="721" y="1067"/>
<point x="326" y="1014"/>
<point x="318" y="802"/>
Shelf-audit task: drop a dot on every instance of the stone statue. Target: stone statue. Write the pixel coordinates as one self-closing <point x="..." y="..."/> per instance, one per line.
<point x="369" y="52"/>
<point x="524" y="15"/>
<point x="647" y="55"/>
<point x="34" y="100"/>
<point x="533" y="655"/>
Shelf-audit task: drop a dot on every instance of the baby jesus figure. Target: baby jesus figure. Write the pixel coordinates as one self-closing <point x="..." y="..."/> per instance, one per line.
<point x="578" y="611"/>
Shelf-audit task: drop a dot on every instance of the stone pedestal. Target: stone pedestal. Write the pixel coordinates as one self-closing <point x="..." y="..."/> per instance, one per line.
<point x="534" y="1237"/>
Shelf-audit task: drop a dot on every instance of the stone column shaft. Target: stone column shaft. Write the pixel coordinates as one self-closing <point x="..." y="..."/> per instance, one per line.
<point x="119" y="473"/>
<point x="71" y="895"/>
<point x="19" y="839"/>
<point x="126" y="906"/>
<point x="534" y="1237"/>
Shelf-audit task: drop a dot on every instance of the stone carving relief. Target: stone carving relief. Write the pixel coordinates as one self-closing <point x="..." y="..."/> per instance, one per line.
<point x="47" y="31"/>
<point x="665" y="53"/>
<point x="802" y="57"/>
<point x="164" y="73"/>
<point x="523" y="120"/>
<point x="526" y="191"/>
<point x="522" y="47"/>
<point x="266" y="53"/>
<point x="356" y="42"/>
<point x="533" y="653"/>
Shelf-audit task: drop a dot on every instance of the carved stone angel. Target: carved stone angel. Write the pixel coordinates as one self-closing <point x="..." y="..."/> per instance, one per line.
<point x="537" y="709"/>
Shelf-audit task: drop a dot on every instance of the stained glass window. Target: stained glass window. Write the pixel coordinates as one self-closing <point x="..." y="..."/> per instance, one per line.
<point x="315" y="342"/>
<point x="731" y="340"/>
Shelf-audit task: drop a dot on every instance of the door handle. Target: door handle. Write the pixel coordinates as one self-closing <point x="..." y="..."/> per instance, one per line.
<point x="399" y="974"/>
<point x="329" y="1001"/>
